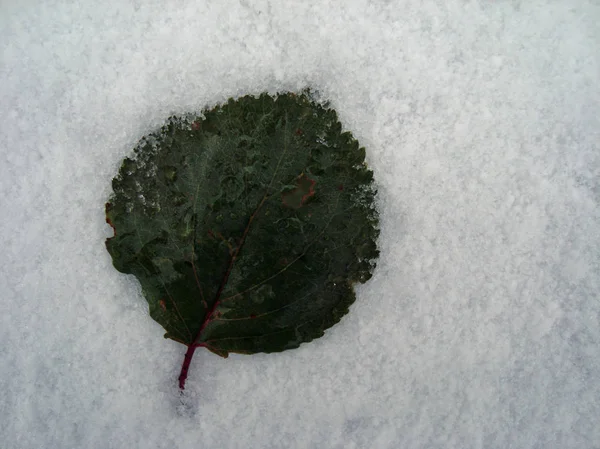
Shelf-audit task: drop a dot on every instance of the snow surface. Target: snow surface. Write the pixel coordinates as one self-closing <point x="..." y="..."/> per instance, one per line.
<point x="481" y="326"/>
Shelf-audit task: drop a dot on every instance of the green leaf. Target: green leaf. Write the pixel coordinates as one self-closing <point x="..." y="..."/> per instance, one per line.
<point x="247" y="227"/>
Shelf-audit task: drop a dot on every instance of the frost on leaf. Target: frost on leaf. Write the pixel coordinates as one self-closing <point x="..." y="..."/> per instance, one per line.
<point x="247" y="226"/>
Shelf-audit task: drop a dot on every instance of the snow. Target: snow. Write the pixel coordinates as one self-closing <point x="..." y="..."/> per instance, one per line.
<point x="481" y="326"/>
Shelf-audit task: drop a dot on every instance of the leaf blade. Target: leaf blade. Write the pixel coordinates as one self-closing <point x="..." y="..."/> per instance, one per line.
<point x="249" y="227"/>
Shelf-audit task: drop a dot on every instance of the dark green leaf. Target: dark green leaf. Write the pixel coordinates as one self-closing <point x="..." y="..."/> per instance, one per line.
<point x="248" y="227"/>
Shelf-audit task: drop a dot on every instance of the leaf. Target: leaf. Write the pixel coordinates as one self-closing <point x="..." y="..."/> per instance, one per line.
<point x="248" y="226"/>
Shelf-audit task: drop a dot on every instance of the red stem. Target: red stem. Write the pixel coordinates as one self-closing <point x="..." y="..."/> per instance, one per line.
<point x="186" y="365"/>
<point x="209" y="316"/>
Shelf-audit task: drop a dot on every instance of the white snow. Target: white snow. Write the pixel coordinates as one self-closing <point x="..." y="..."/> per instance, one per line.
<point x="481" y="326"/>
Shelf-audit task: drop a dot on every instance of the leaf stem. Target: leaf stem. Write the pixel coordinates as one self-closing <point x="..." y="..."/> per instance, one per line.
<point x="234" y="255"/>
<point x="186" y="365"/>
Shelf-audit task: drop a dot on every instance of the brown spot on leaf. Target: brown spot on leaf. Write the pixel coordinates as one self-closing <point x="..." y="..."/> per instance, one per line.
<point x="108" y="208"/>
<point x="297" y="197"/>
<point x="162" y="305"/>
